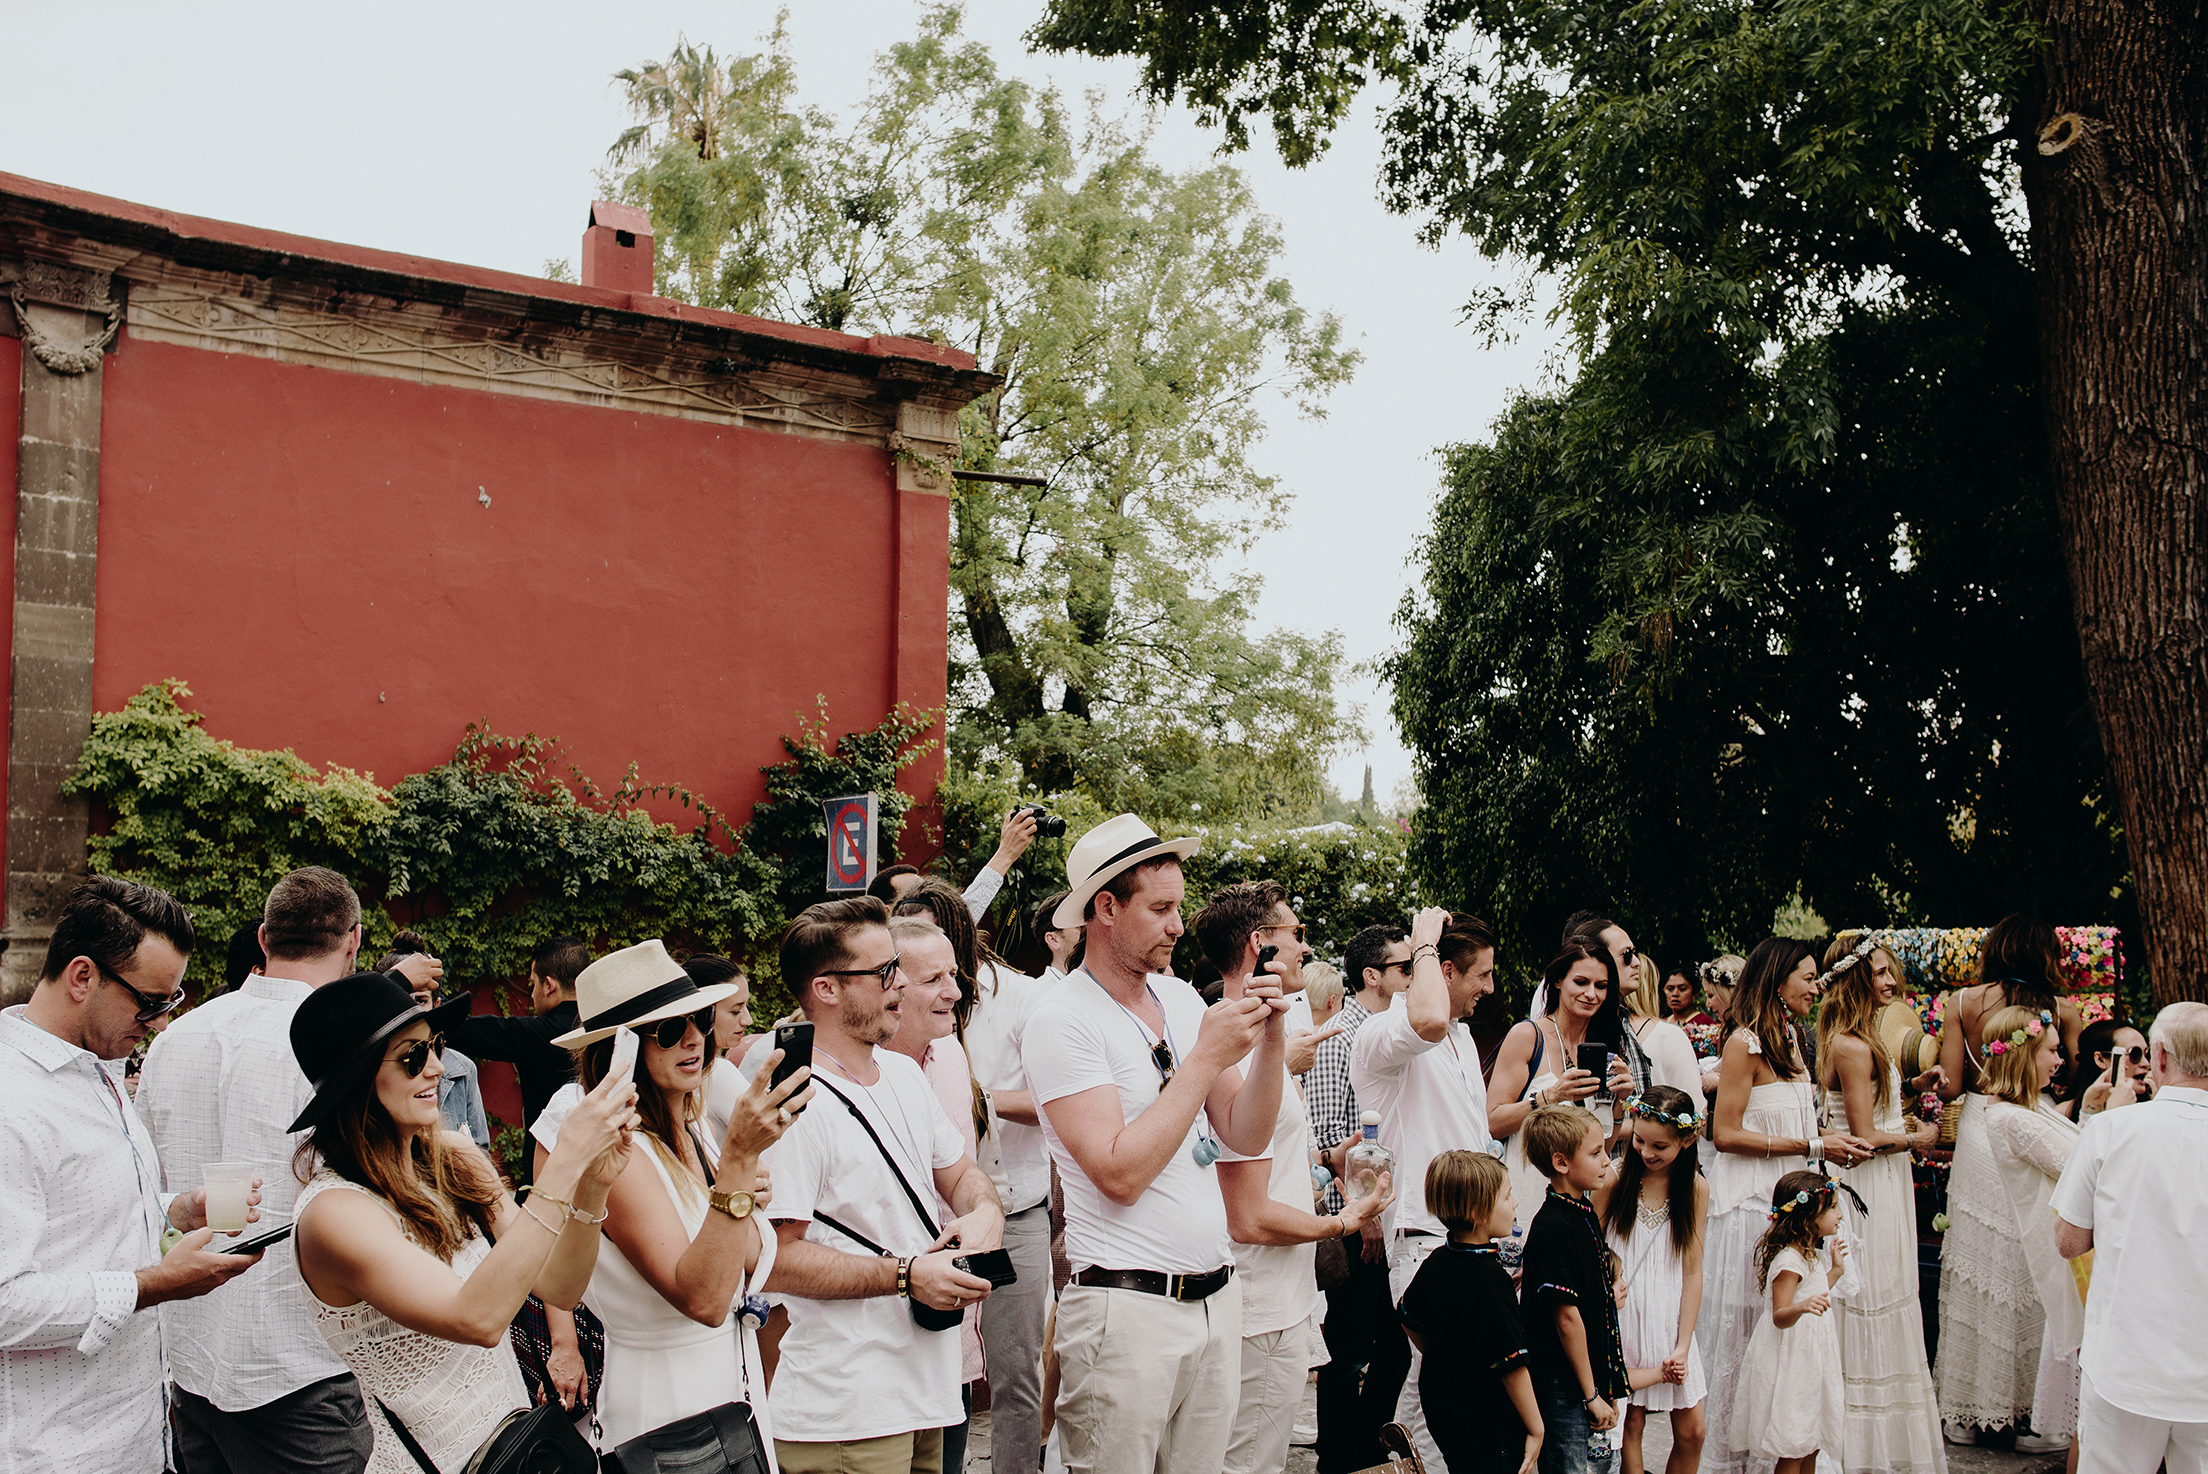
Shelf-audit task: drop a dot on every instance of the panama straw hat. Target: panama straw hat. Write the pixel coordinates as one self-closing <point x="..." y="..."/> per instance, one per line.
<point x="1113" y="846"/>
<point x="636" y="985"/>
<point x="338" y="1033"/>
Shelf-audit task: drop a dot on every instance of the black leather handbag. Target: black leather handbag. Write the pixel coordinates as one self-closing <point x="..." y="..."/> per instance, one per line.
<point x="721" y="1440"/>
<point x="536" y="1440"/>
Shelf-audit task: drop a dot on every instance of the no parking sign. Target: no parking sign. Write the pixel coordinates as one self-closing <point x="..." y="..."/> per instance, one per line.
<point x="850" y="842"/>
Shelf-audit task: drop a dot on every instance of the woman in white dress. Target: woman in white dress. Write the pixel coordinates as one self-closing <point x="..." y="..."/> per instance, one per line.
<point x="2021" y="1143"/>
<point x="1764" y="1124"/>
<point x="1893" y="1415"/>
<point x="684" y="1243"/>
<point x="396" y="1226"/>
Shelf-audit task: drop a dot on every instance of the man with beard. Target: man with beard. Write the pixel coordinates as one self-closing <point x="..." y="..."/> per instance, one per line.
<point x="861" y="1387"/>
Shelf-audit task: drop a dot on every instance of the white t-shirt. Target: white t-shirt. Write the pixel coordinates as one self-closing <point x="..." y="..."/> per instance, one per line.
<point x="993" y="1035"/>
<point x="855" y="1369"/>
<point x="1279" y="1289"/>
<point x="2138" y="1177"/>
<point x="1078" y="1038"/>
<point x="1431" y="1099"/>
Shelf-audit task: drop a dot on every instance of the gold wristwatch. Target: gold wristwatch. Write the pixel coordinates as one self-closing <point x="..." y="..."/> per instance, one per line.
<point x="737" y="1204"/>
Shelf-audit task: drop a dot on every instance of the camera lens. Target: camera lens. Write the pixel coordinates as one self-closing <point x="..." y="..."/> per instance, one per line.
<point x="1049" y="826"/>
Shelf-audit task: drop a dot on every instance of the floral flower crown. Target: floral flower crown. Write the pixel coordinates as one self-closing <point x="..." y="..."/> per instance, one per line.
<point x="2023" y="1036"/>
<point x="1857" y="953"/>
<point x="1803" y="1199"/>
<point x="1686" y="1123"/>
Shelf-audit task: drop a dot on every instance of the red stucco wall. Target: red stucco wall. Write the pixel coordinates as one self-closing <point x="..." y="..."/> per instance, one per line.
<point x="309" y="550"/>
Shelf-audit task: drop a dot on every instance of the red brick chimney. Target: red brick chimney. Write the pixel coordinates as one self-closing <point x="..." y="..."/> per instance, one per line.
<point x="617" y="249"/>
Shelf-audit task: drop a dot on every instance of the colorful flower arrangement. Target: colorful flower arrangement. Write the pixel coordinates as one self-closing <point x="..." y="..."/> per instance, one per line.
<point x="1685" y="1122"/>
<point x="1937" y="958"/>
<point x="1802" y="1199"/>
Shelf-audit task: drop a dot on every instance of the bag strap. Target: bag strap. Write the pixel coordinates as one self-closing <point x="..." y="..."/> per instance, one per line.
<point x="894" y="1170"/>
<point x="398" y="1426"/>
<point x="852" y="1233"/>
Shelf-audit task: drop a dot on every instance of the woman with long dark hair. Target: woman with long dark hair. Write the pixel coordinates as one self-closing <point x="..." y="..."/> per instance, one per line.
<point x="1652" y="1213"/>
<point x="1893" y="1415"/>
<point x="2110" y="1070"/>
<point x="1764" y="1126"/>
<point x="1577" y="1004"/>
<point x="414" y="1256"/>
<point x="2019" y="966"/>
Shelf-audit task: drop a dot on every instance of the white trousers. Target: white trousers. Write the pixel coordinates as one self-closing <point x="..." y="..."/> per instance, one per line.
<point x="2113" y="1441"/>
<point x="1406" y="1252"/>
<point x="1147" y="1385"/>
<point x="1275" y="1365"/>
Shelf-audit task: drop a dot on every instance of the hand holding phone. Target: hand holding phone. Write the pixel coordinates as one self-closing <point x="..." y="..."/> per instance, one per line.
<point x="259" y="1243"/>
<point x="796" y="1043"/>
<point x="1595" y="1060"/>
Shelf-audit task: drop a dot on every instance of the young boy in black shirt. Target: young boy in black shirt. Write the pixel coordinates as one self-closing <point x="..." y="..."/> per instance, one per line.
<point x="1568" y="1296"/>
<point x="1463" y="1315"/>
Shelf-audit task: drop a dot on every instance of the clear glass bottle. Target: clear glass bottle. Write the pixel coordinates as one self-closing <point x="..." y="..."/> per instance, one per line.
<point x="1367" y="1159"/>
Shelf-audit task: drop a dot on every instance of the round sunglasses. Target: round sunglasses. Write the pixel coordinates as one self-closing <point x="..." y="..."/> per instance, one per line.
<point x="668" y="1032"/>
<point x="414" y="1056"/>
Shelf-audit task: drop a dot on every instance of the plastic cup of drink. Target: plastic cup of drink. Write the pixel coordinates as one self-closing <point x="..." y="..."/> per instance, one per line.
<point x="228" y="1184"/>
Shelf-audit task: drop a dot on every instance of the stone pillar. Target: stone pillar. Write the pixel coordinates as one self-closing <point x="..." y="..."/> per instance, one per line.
<point x="66" y="317"/>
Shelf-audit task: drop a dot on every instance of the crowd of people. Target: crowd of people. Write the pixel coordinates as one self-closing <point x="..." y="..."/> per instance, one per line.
<point x="1128" y="1209"/>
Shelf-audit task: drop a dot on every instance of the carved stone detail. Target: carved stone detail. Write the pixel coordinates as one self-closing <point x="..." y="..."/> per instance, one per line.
<point x="75" y="291"/>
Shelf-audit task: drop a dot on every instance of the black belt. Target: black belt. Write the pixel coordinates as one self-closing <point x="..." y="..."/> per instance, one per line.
<point x="1153" y="1282"/>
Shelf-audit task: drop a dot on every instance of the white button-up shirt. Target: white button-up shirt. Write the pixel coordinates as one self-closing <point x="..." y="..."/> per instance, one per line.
<point x="1431" y="1099"/>
<point x="2138" y="1178"/>
<point x="993" y="1036"/>
<point x="220" y="1085"/>
<point x="81" y="1212"/>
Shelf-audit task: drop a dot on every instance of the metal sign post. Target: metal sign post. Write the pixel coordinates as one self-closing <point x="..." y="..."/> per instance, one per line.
<point x="851" y="832"/>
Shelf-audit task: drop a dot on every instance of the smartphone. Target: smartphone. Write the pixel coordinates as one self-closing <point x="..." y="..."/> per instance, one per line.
<point x="625" y="1044"/>
<point x="258" y="1242"/>
<point x="796" y="1043"/>
<point x="994" y="1266"/>
<point x="1595" y="1060"/>
<point x="1265" y="956"/>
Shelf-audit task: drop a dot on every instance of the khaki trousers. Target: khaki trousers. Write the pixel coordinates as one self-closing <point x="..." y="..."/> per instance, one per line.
<point x="1147" y="1385"/>
<point x="1275" y="1365"/>
<point x="898" y="1453"/>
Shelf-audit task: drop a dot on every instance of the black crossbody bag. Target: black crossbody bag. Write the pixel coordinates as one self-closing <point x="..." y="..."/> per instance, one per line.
<point x="926" y="1317"/>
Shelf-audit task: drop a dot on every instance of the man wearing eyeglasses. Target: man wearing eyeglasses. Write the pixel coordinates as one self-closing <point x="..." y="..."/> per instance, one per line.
<point x="1362" y="1333"/>
<point x="257" y="1386"/>
<point x="862" y="1387"/>
<point x="82" y="1210"/>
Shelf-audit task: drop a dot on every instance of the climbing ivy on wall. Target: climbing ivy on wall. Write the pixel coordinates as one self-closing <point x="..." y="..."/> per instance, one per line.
<point x="484" y="854"/>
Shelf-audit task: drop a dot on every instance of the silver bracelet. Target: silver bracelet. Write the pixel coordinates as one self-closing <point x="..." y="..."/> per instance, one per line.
<point x="548" y="1228"/>
<point x="1816" y="1148"/>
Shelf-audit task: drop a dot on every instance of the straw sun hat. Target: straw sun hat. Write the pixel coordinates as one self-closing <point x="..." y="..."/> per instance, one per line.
<point x="634" y="986"/>
<point x="1114" y="846"/>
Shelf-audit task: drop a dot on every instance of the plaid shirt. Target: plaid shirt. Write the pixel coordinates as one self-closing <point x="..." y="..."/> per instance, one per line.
<point x="1326" y="1091"/>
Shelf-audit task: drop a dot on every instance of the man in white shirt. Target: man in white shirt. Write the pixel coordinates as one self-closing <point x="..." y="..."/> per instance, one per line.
<point x="257" y="1387"/>
<point x="82" y="1213"/>
<point x="1139" y="1092"/>
<point x="860" y="1387"/>
<point x="1365" y="1344"/>
<point x="2136" y="1193"/>
<point x="1268" y="1196"/>
<point x="1417" y="1066"/>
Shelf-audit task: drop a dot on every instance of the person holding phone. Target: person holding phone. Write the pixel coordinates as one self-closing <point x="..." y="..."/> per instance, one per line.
<point x="2111" y="1070"/>
<point x="685" y="1244"/>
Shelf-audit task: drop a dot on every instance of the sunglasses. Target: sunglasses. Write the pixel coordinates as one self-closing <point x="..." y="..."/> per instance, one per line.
<point x="1406" y="964"/>
<point x="1295" y="931"/>
<point x="1629" y="956"/>
<point x="669" y="1032"/>
<point x="414" y="1056"/>
<point x="150" y="1005"/>
<point x="1162" y="1057"/>
<point x="883" y="974"/>
<point x="2137" y="1054"/>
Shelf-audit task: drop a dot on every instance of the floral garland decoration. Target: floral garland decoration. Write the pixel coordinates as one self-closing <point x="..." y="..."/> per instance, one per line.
<point x="1802" y="1199"/>
<point x="1686" y="1123"/>
<point x="1857" y="953"/>
<point x="2021" y="1037"/>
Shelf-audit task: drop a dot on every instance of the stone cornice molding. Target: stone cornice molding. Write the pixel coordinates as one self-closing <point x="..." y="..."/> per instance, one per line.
<point x="461" y="327"/>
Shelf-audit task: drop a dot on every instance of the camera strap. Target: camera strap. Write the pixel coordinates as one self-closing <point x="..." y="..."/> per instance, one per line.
<point x="894" y="1170"/>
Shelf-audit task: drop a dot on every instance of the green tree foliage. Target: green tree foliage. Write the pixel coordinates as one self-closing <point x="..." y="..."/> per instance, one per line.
<point x="1140" y="323"/>
<point x="485" y="855"/>
<point x="1772" y="591"/>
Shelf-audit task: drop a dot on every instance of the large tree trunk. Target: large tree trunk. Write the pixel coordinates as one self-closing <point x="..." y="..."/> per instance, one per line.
<point x="2116" y="176"/>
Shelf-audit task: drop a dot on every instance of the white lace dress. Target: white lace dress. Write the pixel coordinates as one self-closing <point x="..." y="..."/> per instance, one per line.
<point x="1740" y="1206"/>
<point x="1648" y="1322"/>
<point x="1992" y="1321"/>
<point x="451" y="1397"/>
<point x="1791" y="1402"/>
<point x="1893" y="1414"/>
<point x="2030" y="1149"/>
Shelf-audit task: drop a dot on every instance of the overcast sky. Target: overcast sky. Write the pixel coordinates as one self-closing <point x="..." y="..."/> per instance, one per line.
<point x="470" y="131"/>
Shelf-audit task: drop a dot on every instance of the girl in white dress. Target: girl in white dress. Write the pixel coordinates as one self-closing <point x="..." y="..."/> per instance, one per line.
<point x="1893" y="1413"/>
<point x="1792" y="1398"/>
<point x="1764" y="1125"/>
<point x="1652" y="1213"/>
<point x="396" y="1228"/>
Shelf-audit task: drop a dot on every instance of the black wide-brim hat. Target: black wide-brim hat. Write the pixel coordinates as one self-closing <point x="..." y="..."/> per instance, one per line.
<point x="338" y="1034"/>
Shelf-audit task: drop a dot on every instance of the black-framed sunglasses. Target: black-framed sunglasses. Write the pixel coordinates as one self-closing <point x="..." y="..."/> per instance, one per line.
<point x="150" y="1005"/>
<point x="2136" y="1053"/>
<point x="668" y="1032"/>
<point x="414" y="1055"/>
<point x="1629" y="956"/>
<point x="881" y="974"/>
<point x="1406" y="964"/>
